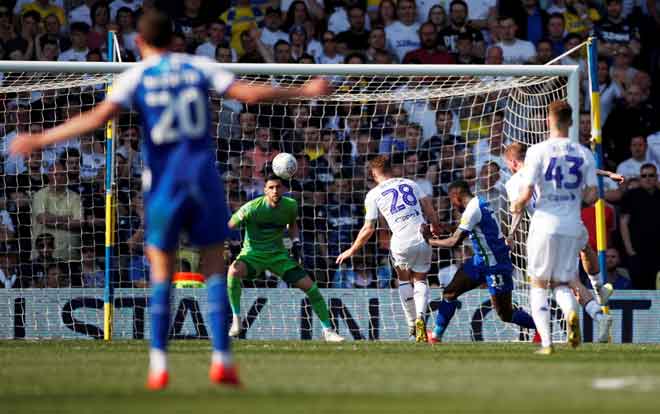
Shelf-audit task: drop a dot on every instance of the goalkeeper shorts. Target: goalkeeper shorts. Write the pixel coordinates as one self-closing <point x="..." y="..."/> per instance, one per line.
<point x="281" y="264"/>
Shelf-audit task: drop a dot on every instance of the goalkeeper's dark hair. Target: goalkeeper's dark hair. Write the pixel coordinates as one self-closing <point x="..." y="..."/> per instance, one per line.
<point x="155" y="28"/>
<point x="461" y="185"/>
<point x="272" y="177"/>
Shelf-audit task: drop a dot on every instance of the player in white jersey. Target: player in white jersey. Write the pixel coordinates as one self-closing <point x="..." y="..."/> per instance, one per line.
<point x="405" y="208"/>
<point x="514" y="156"/>
<point x="562" y="175"/>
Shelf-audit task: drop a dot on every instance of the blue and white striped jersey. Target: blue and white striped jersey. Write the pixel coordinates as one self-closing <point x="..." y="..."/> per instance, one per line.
<point x="171" y="92"/>
<point x="487" y="240"/>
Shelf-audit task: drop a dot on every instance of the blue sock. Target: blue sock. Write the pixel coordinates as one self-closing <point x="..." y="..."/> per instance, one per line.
<point x="160" y="314"/>
<point x="445" y="313"/>
<point x="218" y="312"/>
<point x="523" y="319"/>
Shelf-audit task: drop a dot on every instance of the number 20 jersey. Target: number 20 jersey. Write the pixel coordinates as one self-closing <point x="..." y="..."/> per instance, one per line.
<point x="560" y="170"/>
<point x="397" y="199"/>
<point x="171" y="93"/>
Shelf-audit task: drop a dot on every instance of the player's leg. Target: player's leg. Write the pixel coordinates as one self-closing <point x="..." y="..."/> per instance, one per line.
<point x="587" y="301"/>
<point x="223" y="369"/>
<point x="299" y="278"/>
<point x="540" y="259"/>
<point x="237" y="271"/>
<point x="589" y="259"/>
<point x="420" y="264"/>
<point x="466" y="279"/>
<point x="564" y="275"/>
<point x="407" y="298"/>
<point x="162" y="268"/>
<point x="500" y="296"/>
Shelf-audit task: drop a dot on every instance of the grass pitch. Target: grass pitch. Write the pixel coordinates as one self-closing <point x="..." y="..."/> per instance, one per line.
<point x="312" y="377"/>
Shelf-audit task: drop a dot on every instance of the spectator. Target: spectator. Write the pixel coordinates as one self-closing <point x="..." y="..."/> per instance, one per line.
<point x="359" y="273"/>
<point x="490" y="149"/>
<point x="494" y="55"/>
<point x="129" y="148"/>
<point x="82" y="13"/>
<point x="6" y="26"/>
<point x="458" y="24"/>
<point x="580" y="17"/>
<point x="53" y="28"/>
<point x="199" y="36"/>
<point x="92" y="159"/>
<point x="44" y="8"/>
<point x="241" y="18"/>
<point x="224" y="53"/>
<point x="356" y="38"/>
<point x="396" y="140"/>
<point x="465" y="51"/>
<point x="343" y="216"/>
<point x="534" y="26"/>
<point x="614" y="274"/>
<point x="386" y="14"/>
<point x="402" y="35"/>
<point x="50" y="50"/>
<point x="330" y="54"/>
<point x="481" y="12"/>
<point x="282" y="52"/>
<point x="125" y="19"/>
<point x="116" y="5"/>
<point x="34" y="272"/>
<point x="250" y="48"/>
<point x="262" y="152"/>
<point x="615" y="30"/>
<point x="377" y="43"/>
<point x="297" y="14"/>
<point x="188" y="15"/>
<point x="629" y="116"/>
<point x="515" y="51"/>
<point x="640" y="226"/>
<point x="130" y="229"/>
<point x="428" y="53"/>
<point x="297" y="43"/>
<point x="92" y="274"/>
<point x="98" y="33"/>
<point x="544" y="53"/>
<point x="216" y="36"/>
<point x="631" y="167"/>
<point x="610" y="91"/>
<point x="79" y="44"/>
<point x="416" y="171"/>
<point x="306" y="59"/>
<point x="22" y="46"/>
<point x="338" y="21"/>
<point x="271" y="31"/>
<point x="10" y="275"/>
<point x="438" y="17"/>
<point x="621" y="71"/>
<point x="556" y="33"/>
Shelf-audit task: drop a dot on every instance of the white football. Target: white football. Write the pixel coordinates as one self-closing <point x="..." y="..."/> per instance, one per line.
<point x="285" y="165"/>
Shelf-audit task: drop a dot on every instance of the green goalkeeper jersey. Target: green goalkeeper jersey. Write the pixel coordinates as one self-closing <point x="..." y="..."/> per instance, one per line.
<point x="264" y="225"/>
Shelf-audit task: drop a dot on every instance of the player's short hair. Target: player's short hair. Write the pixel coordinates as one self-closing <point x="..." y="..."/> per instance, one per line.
<point x="562" y="111"/>
<point x="516" y="150"/>
<point x="381" y="163"/>
<point x="155" y="27"/>
<point x="461" y="185"/>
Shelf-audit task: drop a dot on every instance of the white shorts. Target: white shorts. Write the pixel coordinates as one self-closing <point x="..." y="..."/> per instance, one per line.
<point x="415" y="257"/>
<point x="554" y="257"/>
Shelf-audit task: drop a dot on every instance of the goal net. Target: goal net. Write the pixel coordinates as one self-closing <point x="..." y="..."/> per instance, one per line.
<point x="439" y="124"/>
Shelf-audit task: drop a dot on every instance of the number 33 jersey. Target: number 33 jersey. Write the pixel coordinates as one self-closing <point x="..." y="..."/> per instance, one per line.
<point x="397" y="199"/>
<point x="171" y="93"/>
<point x="559" y="170"/>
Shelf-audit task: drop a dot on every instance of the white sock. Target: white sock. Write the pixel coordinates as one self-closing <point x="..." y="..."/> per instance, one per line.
<point x="421" y="294"/>
<point x="157" y="360"/>
<point x="538" y="300"/>
<point x="566" y="300"/>
<point x="595" y="282"/>
<point x="407" y="301"/>
<point x="594" y="310"/>
<point x="219" y="357"/>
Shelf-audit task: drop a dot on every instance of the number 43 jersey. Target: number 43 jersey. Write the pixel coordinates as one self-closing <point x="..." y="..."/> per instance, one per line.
<point x="397" y="199"/>
<point x="171" y="93"/>
<point x="560" y="170"/>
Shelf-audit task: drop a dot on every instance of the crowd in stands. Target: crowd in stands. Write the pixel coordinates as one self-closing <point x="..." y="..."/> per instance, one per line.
<point x="52" y="216"/>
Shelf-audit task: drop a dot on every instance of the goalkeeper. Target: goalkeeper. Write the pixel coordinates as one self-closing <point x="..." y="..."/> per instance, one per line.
<point x="264" y="220"/>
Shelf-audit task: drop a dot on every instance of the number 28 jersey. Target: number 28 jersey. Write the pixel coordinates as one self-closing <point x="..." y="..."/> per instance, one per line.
<point x="560" y="170"/>
<point x="171" y="92"/>
<point x="397" y="199"/>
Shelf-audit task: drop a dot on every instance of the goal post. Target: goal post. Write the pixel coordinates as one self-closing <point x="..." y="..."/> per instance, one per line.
<point x="440" y="122"/>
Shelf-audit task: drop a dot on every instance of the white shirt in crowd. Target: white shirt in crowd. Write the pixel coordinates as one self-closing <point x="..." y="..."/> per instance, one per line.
<point x="559" y="170"/>
<point x="13" y="164"/>
<point x="630" y="167"/>
<point x="402" y="39"/>
<point x="398" y="200"/>
<point x="315" y="50"/>
<point x="91" y="165"/>
<point x="80" y="14"/>
<point x="269" y="38"/>
<point x="517" y="53"/>
<point x="335" y="59"/>
<point x="653" y="145"/>
<point x="338" y="21"/>
<point x="71" y="55"/>
<point x="479" y="9"/>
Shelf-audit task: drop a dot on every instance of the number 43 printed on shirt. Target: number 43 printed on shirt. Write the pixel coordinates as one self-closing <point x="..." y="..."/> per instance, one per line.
<point x="554" y="172"/>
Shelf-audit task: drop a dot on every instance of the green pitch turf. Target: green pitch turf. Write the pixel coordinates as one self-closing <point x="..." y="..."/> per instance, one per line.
<point x="311" y="377"/>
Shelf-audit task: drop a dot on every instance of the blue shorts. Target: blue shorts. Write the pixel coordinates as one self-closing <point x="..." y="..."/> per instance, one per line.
<point x="498" y="278"/>
<point x="196" y="206"/>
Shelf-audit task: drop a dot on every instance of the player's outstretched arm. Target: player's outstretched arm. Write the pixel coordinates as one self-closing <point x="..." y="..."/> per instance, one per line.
<point x="25" y="144"/>
<point x="365" y="234"/>
<point x="620" y="179"/>
<point x="452" y="241"/>
<point x="254" y="93"/>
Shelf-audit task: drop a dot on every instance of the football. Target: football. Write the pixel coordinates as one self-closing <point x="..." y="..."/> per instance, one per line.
<point x="285" y="165"/>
